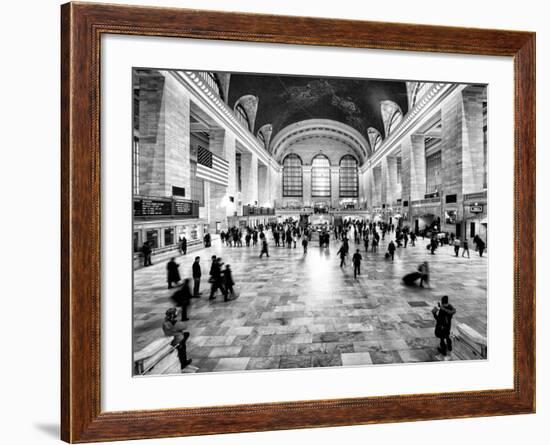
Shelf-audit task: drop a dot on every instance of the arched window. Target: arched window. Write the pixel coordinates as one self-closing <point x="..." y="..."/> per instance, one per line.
<point x="349" y="180"/>
<point x="261" y="138"/>
<point x="395" y="119"/>
<point x="320" y="177"/>
<point x="242" y="116"/>
<point x="292" y="176"/>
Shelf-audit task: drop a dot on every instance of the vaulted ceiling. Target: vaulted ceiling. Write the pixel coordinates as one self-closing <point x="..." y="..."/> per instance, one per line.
<point x="284" y="100"/>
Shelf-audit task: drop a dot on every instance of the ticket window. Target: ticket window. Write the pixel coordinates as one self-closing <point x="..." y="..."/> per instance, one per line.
<point x="136" y="243"/>
<point x="182" y="232"/>
<point x="169" y="236"/>
<point x="194" y="232"/>
<point x="153" y="238"/>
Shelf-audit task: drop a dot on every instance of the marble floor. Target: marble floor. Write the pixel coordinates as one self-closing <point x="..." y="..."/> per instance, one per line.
<point x="301" y="311"/>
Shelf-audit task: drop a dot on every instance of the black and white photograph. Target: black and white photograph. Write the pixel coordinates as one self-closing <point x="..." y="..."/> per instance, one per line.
<point x="284" y="221"/>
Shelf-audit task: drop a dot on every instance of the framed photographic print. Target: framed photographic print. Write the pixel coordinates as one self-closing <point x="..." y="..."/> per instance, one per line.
<point x="288" y="222"/>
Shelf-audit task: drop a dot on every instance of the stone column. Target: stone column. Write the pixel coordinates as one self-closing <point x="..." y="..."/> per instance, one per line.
<point x="306" y="184"/>
<point x="164" y="144"/>
<point x="276" y="185"/>
<point x="263" y="186"/>
<point x="392" y="194"/>
<point x="406" y="147"/>
<point x="418" y="167"/>
<point x="222" y="144"/>
<point x="384" y="194"/>
<point x="368" y="187"/>
<point x="249" y="165"/>
<point x="472" y="138"/>
<point x="335" y="186"/>
<point x="377" y="186"/>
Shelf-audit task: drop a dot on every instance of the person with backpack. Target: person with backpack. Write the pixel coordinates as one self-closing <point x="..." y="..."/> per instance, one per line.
<point x="480" y="245"/>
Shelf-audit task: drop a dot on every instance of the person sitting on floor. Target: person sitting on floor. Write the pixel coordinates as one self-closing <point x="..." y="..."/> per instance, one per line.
<point x="174" y="328"/>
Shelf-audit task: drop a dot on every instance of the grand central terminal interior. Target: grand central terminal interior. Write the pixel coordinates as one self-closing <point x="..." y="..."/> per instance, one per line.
<point x="347" y="218"/>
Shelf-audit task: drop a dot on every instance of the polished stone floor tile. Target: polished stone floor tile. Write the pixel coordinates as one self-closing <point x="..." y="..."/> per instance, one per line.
<point x="232" y="363"/>
<point x="296" y="311"/>
<point x="356" y="358"/>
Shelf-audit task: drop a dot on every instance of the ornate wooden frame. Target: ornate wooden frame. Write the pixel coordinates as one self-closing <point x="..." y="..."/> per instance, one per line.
<point x="81" y="27"/>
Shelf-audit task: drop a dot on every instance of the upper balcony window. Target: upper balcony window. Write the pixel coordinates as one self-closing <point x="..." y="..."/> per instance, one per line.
<point x="292" y="176"/>
<point x="349" y="180"/>
<point x="320" y="177"/>
<point x="241" y="116"/>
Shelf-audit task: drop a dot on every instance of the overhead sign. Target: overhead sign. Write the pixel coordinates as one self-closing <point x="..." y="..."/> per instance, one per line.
<point x="476" y="209"/>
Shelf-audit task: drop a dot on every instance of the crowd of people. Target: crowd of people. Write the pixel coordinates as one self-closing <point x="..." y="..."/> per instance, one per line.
<point x="286" y="235"/>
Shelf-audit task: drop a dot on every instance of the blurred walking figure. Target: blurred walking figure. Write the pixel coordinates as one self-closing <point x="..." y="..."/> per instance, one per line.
<point x="465" y="248"/>
<point x="172" y="272"/>
<point x="391" y="249"/>
<point x="182" y="298"/>
<point x="356" y="260"/>
<point x="264" y="249"/>
<point x="216" y="277"/>
<point x="424" y="274"/>
<point x="342" y="252"/>
<point x="228" y="283"/>
<point x="433" y="245"/>
<point x="456" y="244"/>
<point x="443" y="314"/>
<point x="304" y="244"/>
<point x="480" y="245"/>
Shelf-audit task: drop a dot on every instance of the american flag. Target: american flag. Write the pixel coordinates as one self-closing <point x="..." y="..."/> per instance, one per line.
<point x="211" y="167"/>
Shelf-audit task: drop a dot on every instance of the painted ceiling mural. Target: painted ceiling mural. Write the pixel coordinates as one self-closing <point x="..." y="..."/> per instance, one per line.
<point x="284" y="100"/>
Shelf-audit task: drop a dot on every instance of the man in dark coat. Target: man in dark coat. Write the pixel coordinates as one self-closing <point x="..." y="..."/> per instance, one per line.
<point x="433" y="245"/>
<point x="228" y="283"/>
<point x="304" y="244"/>
<point x="173" y="274"/>
<point x="480" y="244"/>
<point x="196" y="277"/>
<point x="146" y="251"/>
<point x="391" y="249"/>
<point x="216" y="277"/>
<point x="264" y="249"/>
<point x="182" y="298"/>
<point x="356" y="259"/>
<point x="183" y="245"/>
<point x="342" y="253"/>
<point x="443" y="315"/>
